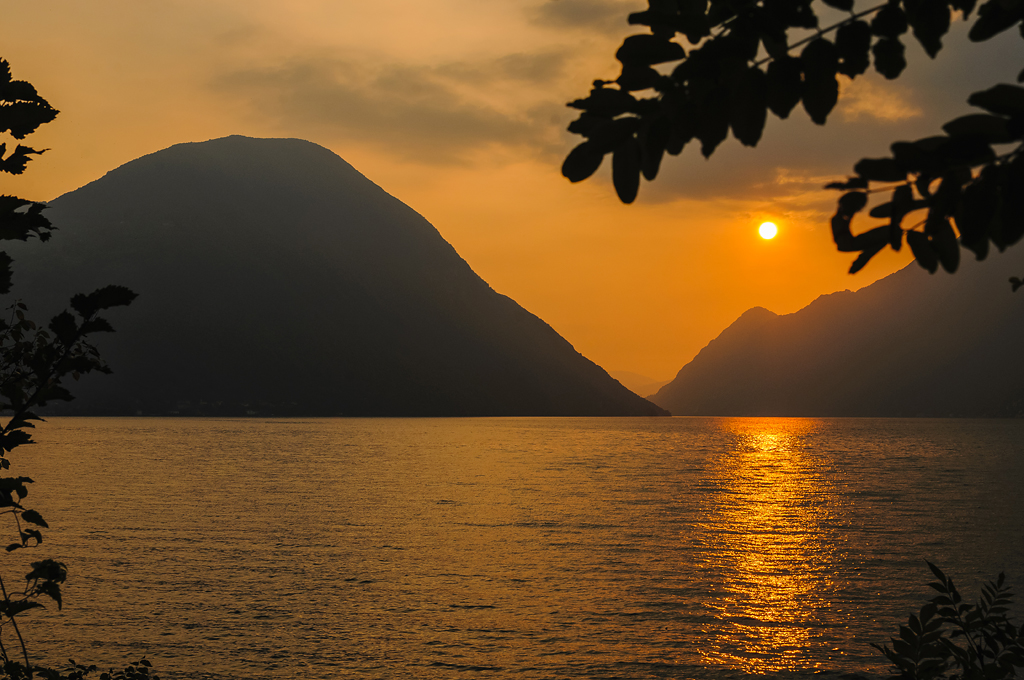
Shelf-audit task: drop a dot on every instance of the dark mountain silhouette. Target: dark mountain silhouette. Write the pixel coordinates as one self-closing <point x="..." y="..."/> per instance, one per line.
<point x="910" y="344"/>
<point x="275" y="279"/>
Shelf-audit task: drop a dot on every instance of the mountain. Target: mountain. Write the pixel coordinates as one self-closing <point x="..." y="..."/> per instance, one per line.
<point x="275" y="279"/>
<point x="911" y="344"/>
<point x="637" y="383"/>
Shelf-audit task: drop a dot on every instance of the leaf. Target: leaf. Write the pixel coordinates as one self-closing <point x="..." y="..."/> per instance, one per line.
<point x="582" y="162"/>
<point x="889" y="58"/>
<point x="652" y="18"/>
<point x="849" y="204"/>
<point x="713" y="126"/>
<point x="883" y="210"/>
<point x="986" y="127"/>
<point x="773" y="37"/>
<point x="930" y="21"/>
<point x="52" y="590"/>
<point x="13" y="439"/>
<point x="678" y="138"/>
<point x="749" y="108"/>
<point x="1003" y="99"/>
<point x="965" y="6"/>
<point x="851" y="183"/>
<point x="626" y="170"/>
<point x="944" y="241"/>
<point x="22" y="118"/>
<point x="647" y="49"/>
<point x="48" y="570"/>
<point x="889" y="22"/>
<point x="853" y="42"/>
<point x="784" y="85"/>
<point x="95" y="325"/>
<point x="653" y="141"/>
<point x="902" y="203"/>
<point x="880" y="170"/>
<point x="946" y="199"/>
<point x="611" y="133"/>
<point x="15" y="163"/>
<point x="901" y="647"/>
<point x="871" y="243"/>
<point x="821" y="89"/>
<point x="913" y="630"/>
<point x="895" y="237"/>
<point x="64" y="327"/>
<point x="969" y="150"/>
<point x="31" y="533"/>
<point x="993" y="18"/>
<point x="11" y="608"/>
<point x="606" y="102"/>
<point x="819" y="60"/>
<point x="841" y="234"/>
<point x="743" y="39"/>
<point x="35" y="518"/>
<point x="692" y="20"/>
<point x="637" y="77"/>
<point x="923" y="251"/>
<point x="935" y="570"/>
<point x="922" y="156"/>
<point x="852" y="203"/>
<point x="820" y="97"/>
<point x="586" y="124"/>
<point x="20" y="90"/>
<point x="5" y="273"/>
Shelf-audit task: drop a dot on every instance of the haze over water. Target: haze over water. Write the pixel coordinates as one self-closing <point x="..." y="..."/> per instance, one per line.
<point x="529" y="548"/>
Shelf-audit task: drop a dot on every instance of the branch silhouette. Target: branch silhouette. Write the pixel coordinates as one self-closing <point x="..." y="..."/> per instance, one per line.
<point x="34" y="361"/>
<point x="972" y="196"/>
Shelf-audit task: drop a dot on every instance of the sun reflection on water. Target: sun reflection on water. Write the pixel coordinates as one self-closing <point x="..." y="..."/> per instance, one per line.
<point x="770" y="536"/>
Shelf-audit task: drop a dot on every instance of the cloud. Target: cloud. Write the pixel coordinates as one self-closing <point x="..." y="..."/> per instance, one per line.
<point x="868" y="98"/>
<point x="435" y="114"/>
<point x="602" y="16"/>
<point x="526" y="69"/>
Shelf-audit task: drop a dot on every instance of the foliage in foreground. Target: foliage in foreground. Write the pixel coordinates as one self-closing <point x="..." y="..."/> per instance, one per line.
<point x="950" y="638"/>
<point x="140" y="670"/>
<point x="744" y="58"/>
<point x="34" y="361"/>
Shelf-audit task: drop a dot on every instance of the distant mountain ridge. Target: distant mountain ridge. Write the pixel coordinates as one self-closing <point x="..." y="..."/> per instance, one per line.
<point x="274" y="279"/>
<point x="638" y="384"/>
<point x="911" y="344"/>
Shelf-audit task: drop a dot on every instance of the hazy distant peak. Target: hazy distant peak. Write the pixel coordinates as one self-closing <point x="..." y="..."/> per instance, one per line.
<point x="756" y="314"/>
<point x="910" y="344"/>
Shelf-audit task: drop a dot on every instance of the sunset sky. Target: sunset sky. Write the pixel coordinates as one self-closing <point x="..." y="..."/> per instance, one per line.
<point x="458" y="109"/>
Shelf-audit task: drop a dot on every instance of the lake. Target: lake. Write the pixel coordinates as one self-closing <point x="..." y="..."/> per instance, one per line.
<point x="511" y="547"/>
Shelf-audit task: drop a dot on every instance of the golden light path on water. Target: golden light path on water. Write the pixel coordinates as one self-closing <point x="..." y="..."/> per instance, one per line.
<point x="769" y="534"/>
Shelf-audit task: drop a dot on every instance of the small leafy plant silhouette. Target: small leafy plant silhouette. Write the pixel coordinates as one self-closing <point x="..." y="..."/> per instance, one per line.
<point x="34" y="360"/>
<point x="952" y="639"/>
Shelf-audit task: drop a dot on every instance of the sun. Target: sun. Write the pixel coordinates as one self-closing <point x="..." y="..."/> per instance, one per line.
<point x="768" y="230"/>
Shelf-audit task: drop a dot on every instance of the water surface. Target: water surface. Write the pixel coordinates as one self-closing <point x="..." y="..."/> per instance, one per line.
<point x="500" y="548"/>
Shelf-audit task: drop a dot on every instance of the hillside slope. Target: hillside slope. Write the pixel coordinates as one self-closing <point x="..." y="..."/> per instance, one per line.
<point x="275" y="279"/>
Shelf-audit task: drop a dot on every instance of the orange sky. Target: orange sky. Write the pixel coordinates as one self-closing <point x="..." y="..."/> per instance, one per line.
<point x="457" y="108"/>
